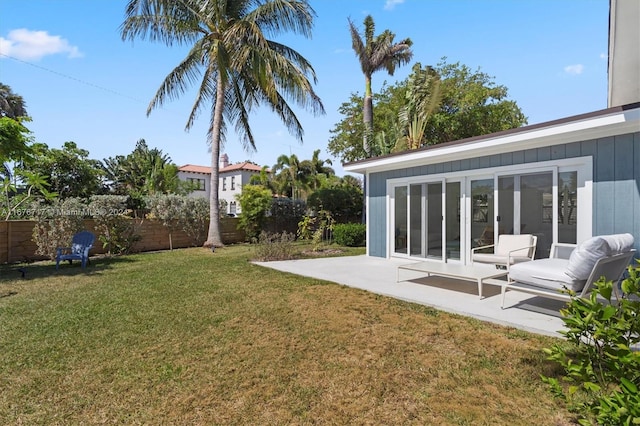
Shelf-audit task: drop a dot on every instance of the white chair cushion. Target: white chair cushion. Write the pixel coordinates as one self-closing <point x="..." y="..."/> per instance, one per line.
<point x="507" y="243"/>
<point x="585" y="256"/>
<point x="619" y="243"/>
<point x="498" y="259"/>
<point x="546" y="273"/>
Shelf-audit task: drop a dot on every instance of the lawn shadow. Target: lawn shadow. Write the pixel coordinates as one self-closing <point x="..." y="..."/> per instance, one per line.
<point x="47" y="268"/>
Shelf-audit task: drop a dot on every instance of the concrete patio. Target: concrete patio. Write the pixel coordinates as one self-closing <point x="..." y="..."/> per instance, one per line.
<point x="522" y="311"/>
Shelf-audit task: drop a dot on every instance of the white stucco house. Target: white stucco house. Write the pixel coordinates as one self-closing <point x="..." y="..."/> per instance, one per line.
<point x="232" y="178"/>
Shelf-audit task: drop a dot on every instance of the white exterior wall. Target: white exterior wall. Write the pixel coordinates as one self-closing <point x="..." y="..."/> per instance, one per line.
<point x="241" y="178"/>
<point x="185" y="176"/>
<point x="225" y="192"/>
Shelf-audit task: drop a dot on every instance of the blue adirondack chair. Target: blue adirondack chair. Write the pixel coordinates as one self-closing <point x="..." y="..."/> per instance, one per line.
<point x="79" y="250"/>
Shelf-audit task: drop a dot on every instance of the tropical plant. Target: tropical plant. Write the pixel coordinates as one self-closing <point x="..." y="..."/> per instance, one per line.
<point x="36" y="186"/>
<point x="422" y="100"/>
<point x="145" y="171"/>
<point x="290" y="179"/>
<point x="601" y="359"/>
<point x="264" y="178"/>
<point x="315" y="171"/>
<point x="376" y="53"/>
<point x="238" y="66"/>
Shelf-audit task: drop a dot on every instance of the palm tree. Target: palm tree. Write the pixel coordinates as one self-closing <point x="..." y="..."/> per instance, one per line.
<point x="422" y="100"/>
<point x="238" y="67"/>
<point x="11" y="104"/>
<point x="376" y="53"/>
<point x="290" y="177"/>
<point x="315" y="170"/>
<point x="264" y="178"/>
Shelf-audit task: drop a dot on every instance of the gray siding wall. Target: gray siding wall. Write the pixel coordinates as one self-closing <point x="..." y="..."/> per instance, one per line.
<point x="616" y="183"/>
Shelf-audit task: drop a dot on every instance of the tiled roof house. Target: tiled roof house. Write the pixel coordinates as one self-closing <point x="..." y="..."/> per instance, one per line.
<point x="231" y="180"/>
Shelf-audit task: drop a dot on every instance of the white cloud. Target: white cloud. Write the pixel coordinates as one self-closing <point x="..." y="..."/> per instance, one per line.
<point x="390" y="4"/>
<point x="604" y="56"/>
<point x="574" y="69"/>
<point x="33" y="45"/>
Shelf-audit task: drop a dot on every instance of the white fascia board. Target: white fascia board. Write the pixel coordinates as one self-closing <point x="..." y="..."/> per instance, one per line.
<point x="616" y="123"/>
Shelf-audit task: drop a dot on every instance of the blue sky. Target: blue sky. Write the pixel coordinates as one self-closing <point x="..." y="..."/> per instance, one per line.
<point x="82" y="83"/>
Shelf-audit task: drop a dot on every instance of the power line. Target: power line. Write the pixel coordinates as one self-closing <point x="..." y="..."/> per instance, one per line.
<point x="113" y="92"/>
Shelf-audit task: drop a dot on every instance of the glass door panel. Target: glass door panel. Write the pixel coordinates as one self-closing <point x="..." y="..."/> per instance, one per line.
<point x="536" y="209"/>
<point x="400" y="220"/>
<point x="506" y="213"/>
<point x="568" y="207"/>
<point x="434" y="220"/>
<point x="416" y="221"/>
<point x="482" y="214"/>
<point x="452" y="220"/>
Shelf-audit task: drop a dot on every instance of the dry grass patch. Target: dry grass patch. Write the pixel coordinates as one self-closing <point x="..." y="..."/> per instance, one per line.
<point x="190" y="337"/>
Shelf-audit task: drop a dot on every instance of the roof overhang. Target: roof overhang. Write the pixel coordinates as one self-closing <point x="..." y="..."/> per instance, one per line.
<point x="599" y="124"/>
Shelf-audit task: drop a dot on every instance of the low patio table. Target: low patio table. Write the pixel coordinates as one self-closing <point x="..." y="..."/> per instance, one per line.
<point x="480" y="273"/>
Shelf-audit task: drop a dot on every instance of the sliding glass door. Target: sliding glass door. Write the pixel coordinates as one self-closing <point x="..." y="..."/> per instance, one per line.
<point x="418" y="220"/>
<point x="482" y="213"/>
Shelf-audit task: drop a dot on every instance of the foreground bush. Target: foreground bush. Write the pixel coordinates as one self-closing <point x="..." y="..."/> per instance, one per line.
<point x="601" y="359"/>
<point x="275" y="247"/>
<point x="350" y="234"/>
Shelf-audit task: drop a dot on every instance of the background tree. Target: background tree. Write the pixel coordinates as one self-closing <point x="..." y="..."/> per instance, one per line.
<point x="239" y="66"/>
<point x="15" y="138"/>
<point x="12" y="105"/>
<point x="69" y="171"/>
<point x="288" y="176"/>
<point x="143" y="172"/>
<point x="422" y="99"/>
<point x="376" y="53"/>
<point x="471" y="104"/>
<point x="264" y="178"/>
<point x="315" y="171"/>
<point x="255" y="202"/>
<point x="16" y="148"/>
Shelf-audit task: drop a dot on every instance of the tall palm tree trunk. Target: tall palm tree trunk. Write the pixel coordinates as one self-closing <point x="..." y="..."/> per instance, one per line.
<point x="367" y="116"/>
<point x="214" y="238"/>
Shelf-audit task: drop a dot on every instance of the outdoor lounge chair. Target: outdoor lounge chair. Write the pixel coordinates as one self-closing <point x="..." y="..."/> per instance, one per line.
<point x="510" y="249"/>
<point x="79" y="250"/>
<point x="572" y="267"/>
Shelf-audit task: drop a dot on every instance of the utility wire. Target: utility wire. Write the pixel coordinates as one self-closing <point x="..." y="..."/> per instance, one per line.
<point x="113" y="92"/>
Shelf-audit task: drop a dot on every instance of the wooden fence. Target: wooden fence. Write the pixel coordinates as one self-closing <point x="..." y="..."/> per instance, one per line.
<point x="16" y="242"/>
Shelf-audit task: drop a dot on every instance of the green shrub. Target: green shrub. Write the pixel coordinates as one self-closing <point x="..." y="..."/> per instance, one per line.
<point x="195" y="218"/>
<point x="57" y="223"/>
<point x="275" y="247"/>
<point x="117" y="231"/>
<point x="350" y="234"/>
<point x="601" y="358"/>
<point x="255" y="202"/>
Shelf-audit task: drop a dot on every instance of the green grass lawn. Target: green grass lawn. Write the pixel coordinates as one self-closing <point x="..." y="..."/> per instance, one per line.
<point x="191" y="337"/>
